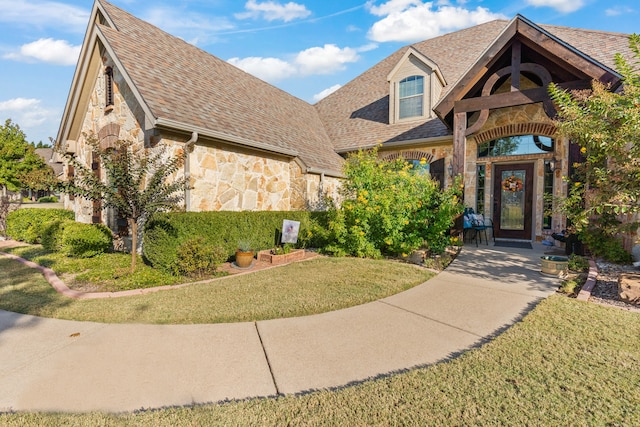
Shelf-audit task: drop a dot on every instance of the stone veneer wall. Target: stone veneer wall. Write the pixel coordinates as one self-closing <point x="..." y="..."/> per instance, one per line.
<point x="233" y="180"/>
<point x="126" y="113"/>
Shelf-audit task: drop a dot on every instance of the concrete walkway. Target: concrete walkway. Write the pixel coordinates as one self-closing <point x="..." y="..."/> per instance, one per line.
<point x="58" y="365"/>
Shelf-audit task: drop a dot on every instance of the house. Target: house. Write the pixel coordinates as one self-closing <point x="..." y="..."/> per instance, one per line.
<point x="473" y="102"/>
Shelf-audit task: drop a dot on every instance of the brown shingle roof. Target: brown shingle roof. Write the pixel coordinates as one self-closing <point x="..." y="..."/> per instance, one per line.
<point x="357" y="114"/>
<point x="183" y="83"/>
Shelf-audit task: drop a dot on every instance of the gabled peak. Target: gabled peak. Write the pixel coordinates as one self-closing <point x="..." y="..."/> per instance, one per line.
<point x="413" y="53"/>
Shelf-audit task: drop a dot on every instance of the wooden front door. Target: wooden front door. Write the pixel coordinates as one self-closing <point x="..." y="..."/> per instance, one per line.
<point x="513" y="201"/>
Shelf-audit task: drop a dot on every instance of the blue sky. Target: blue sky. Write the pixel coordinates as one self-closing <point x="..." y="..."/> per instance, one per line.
<point x="305" y="47"/>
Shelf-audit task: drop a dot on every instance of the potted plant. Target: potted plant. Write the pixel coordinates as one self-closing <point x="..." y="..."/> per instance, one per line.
<point x="244" y="254"/>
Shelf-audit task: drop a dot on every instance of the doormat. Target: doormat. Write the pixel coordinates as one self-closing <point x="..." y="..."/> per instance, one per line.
<point x="510" y="244"/>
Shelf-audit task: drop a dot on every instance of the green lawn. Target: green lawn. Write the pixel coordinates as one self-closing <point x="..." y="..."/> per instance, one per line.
<point x="567" y="363"/>
<point x="314" y="286"/>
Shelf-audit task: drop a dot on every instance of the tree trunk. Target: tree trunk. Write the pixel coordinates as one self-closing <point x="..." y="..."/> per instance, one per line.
<point x="133" y="225"/>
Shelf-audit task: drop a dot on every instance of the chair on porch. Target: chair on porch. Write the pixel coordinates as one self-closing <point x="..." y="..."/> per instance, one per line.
<point x="475" y="225"/>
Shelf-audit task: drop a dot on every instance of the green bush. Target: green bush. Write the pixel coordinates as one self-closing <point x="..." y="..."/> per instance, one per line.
<point x="602" y="244"/>
<point x="27" y="225"/>
<point x="578" y="263"/>
<point x="165" y="232"/>
<point x="390" y="209"/>
<point x="52" y="234"/>
<point x="85" y="240"/>
<point x="48" y="199"/>
<point x="197" y="258"/>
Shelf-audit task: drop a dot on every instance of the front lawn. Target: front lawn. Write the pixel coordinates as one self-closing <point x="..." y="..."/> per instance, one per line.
<point x="566" y="363"/>
<point x="314" y="286"/>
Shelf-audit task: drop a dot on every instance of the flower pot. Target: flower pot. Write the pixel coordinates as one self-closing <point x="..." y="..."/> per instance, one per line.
<point x="244" y="259"/>
<point x="554" y="264"/>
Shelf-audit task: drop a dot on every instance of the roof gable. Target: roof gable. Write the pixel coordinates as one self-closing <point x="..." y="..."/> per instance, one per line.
<point x="184" y="88"/>
<point x="524" y="39"/>
<point x="411" y="51"/>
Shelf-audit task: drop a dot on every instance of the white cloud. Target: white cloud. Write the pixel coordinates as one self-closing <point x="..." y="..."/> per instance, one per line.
<point x="267" y="69"/>
<point x="58" y="52"/>
<point x="316" y="60"/>
<point x="328" y="91"/>
<point x="564" y="6"/>
<point x="324" y="60"/>
<point x="273" y="11"/>
<point x="413" y="20"/>
<point x="31" y="116"/>
<point x="44" y="14"/>
<point x="618" y="10"/>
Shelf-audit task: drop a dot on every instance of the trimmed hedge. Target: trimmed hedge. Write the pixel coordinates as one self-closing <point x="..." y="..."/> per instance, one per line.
<point x="27" y="225"/>
<point x="166" y="232"/>
<point x="82" y="240"/>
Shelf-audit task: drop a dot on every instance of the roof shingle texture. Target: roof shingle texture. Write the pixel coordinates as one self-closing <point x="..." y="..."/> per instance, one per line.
<point x="181" y="82"/>
<point x="357" y="114"/>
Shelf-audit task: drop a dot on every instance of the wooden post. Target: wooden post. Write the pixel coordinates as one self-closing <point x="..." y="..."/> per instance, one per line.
<point x="459" y="142"/>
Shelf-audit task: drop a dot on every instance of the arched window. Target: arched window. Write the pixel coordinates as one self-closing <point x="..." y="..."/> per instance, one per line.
<point x="411" y="95"/>
<point x="516" y="145"/>
<point x="108" y="87"/>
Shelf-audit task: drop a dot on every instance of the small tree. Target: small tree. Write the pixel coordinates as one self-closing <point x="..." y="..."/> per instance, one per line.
<point x="606" y="125"/>
<point x="388" y="208"/>
<point x="17" y="158"/>
<point x="136" y="184"/>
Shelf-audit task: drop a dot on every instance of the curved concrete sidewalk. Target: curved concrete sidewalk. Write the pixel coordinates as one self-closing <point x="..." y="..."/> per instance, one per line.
<point x="57" y="365"/>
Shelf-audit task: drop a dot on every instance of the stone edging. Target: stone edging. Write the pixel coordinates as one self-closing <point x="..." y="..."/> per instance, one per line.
<point x="587" y="288"/>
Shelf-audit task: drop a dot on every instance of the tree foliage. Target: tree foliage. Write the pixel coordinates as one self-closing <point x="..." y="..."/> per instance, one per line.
<point x="17" y="158"/>
<point x="604" y="194"/>
<point x="135" y="184"/>
<point x="388" y="208"/>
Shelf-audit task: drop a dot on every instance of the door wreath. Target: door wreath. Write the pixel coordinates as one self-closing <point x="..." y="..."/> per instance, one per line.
<point x="512" y="184"/>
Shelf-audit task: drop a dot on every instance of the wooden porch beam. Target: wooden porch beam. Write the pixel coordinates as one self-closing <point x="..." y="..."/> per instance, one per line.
<point x="510" y="99"/>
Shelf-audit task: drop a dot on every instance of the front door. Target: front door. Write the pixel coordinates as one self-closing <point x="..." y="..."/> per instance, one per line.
<point x="513" y="200"/>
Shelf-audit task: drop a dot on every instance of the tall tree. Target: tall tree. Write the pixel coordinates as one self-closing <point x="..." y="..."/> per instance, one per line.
<point x="136" y="184"/>
<point x="17" y="158"/>
<point x="606" y="125"/>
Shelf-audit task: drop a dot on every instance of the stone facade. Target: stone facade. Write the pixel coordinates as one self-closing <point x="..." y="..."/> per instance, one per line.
<point x="222" y="176"/>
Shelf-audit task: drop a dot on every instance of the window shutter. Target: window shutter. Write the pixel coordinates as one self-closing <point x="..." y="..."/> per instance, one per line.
<point x="437" y="171"/>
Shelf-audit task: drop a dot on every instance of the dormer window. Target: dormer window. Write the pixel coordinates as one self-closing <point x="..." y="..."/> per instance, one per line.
<point x="415" y="85"/>
<point x="411" y="97"/>
<point x="108" y="88"/>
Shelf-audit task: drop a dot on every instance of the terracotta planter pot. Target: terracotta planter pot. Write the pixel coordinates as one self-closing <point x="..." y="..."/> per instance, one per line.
<point x="244" y="259"/>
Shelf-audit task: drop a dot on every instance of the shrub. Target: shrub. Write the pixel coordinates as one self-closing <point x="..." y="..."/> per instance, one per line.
<point x="27" y="225"/>
<point x="197" y="258"/>
<point x="165" y="232"/>
<point x="602" y="244"/>
<point x="85" y="240"/>
<point x="388" y="208"/>
<point x="48" y="199"/>
<point x="578" y="263"/>
<point x="52" y="234"/>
